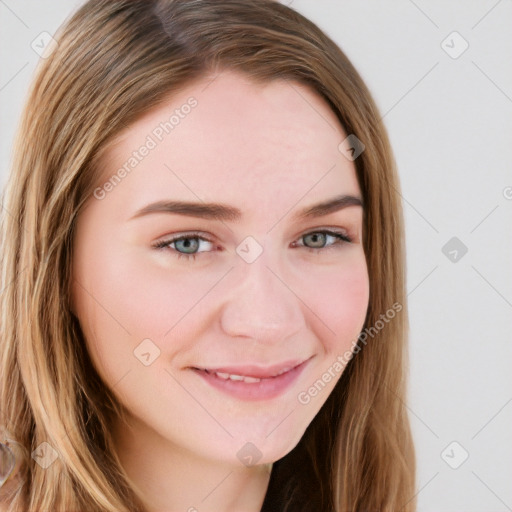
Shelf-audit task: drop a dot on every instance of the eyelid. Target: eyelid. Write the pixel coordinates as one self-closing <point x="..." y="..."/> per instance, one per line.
<point x="328" y="229"/>
<point x="166" y="240"/>
<point x="203" y="236"/>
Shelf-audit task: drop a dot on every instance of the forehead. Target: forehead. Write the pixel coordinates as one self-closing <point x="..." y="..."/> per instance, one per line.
<point x="229" y="139"/>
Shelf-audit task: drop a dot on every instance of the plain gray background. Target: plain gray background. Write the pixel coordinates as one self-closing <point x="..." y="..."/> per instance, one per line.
<point x="449" y="116"/>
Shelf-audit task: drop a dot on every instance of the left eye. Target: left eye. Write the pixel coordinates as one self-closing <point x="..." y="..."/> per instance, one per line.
<point x="314" y="237"/>
<point x="189" y="244"/>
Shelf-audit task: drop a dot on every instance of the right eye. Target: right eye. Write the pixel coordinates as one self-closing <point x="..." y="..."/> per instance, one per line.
<point x="185" y="245"/>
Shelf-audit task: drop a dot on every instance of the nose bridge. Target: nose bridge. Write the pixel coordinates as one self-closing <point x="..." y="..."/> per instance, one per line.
<point x="261" y="305"/>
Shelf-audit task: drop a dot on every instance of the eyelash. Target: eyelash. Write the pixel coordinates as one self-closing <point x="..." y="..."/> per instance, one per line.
<point x="342" y="238"/>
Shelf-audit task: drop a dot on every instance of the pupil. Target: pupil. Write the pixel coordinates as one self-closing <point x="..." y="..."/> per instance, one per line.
<point x="189" y="243"/>
<point x="318" y="239"/>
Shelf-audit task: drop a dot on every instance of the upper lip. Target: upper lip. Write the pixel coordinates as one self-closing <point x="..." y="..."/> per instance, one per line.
<point x="251" y="370"/>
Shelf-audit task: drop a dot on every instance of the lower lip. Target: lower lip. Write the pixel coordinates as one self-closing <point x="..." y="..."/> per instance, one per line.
<point x="266" y="389"/>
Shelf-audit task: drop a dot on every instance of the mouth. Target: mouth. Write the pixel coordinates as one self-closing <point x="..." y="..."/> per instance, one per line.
<point x="249" y="382"/>
<point x="251" y="372"/>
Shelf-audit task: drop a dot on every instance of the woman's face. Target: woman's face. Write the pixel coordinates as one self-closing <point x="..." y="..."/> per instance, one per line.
<point x="255" y="289"/>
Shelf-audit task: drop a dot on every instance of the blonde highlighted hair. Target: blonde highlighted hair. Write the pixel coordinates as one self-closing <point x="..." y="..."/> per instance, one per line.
<point x="115" y="60"/>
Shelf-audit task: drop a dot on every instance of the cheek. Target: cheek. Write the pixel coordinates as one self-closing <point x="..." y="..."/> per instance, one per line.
<point x="339" y="298"/>
<point x="151" y="299"/>
<point x="126" y="299"/>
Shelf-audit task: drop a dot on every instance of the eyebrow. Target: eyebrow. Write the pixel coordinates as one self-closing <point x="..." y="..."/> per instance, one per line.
<point x="222" y="212"/>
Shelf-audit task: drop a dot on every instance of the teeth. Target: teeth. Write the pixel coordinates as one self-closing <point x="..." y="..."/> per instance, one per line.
<point x="226" y="376"/>
<point x="250" y="380"/>
<point x="236" y="377"/>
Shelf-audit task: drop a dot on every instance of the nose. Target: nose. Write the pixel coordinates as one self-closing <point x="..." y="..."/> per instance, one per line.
<point x="260" y="304"/>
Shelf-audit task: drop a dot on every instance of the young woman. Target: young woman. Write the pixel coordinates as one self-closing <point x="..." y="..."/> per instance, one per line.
<point x="203" y="301"/>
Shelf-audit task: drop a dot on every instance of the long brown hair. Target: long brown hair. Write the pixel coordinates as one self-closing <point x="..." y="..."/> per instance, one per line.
<point x="114" y="61"/>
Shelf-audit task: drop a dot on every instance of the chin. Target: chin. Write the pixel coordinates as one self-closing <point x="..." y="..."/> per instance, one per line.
<point x="270" y="448"/>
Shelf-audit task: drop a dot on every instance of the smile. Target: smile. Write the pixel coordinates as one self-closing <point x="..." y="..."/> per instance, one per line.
<point x="250" y="383"/>
<point x="245" y="378"/>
